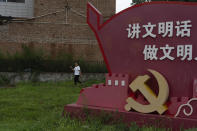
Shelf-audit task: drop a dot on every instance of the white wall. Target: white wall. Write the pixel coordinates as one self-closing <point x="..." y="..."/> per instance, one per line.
<point x="22" y="10"/>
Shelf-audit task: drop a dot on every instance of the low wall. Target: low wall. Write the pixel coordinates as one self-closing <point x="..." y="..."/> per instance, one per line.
<point x="44" y="77"/>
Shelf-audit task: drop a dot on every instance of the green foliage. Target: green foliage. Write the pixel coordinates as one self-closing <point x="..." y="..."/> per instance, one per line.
<point x="5" y="80"/>
<point x="138" y="1"/>
<point x="142" y="1"/>
<point x="177" y="0"/>
<point x="31" y="60"/>
<point x="38" y="107"/>
<point x="28" y="59"/>
<point x="92" y="67"/>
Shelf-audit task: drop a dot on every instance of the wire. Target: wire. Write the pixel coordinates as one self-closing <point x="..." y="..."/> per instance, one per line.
<point x="57" y="23"/>
<point x="74" y="11"/>
<point x="46" y="14"/>
<point x="64" y="10"/>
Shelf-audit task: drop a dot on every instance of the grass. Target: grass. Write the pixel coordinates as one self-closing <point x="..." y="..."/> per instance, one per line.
<point x="39" y="106"/>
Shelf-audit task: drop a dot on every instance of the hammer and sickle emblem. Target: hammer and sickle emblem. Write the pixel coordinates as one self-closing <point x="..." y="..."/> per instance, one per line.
<point x="156" y="102"/>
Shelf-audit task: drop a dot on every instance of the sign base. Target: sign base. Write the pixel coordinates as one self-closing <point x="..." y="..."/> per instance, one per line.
<point x="175" y="123"/>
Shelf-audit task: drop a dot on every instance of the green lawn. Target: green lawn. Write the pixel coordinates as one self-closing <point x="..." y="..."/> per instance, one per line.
<point x="38" y="107"/>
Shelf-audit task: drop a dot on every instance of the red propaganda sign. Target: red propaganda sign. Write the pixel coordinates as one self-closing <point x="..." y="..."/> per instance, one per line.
<point x="151" y="54"/>
<point x="159" y="36"/>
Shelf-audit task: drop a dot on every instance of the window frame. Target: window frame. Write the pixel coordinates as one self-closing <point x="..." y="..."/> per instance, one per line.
<point x="7" y="1"/>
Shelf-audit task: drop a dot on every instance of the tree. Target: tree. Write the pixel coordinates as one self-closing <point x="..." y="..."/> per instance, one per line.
<point x="139" y="1"/>
<point x="177" y="0"/>
<point x="142" y="1"/>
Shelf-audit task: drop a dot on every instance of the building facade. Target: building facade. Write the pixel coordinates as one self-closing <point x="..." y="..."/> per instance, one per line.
<point x="53" y="26"/>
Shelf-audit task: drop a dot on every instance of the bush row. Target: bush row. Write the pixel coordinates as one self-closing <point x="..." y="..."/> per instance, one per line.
<point x="30" y="60"/>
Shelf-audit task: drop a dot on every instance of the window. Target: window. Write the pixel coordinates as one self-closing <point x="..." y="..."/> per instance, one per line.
<point x="17" y="8"/>
<point x="16" y="1"/>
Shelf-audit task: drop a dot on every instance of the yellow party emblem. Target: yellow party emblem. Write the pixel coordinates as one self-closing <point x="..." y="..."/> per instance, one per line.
<point x="156" y="103"/>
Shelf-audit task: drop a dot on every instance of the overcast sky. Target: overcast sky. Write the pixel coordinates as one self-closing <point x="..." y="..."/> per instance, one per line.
<point x="122" y="4"/>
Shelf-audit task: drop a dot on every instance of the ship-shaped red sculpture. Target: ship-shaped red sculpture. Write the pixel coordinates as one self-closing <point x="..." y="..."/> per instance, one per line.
<point x="154" y="35"/>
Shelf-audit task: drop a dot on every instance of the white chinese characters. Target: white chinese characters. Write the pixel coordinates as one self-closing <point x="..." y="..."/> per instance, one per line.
<point x="150" y="52"/>
<point x="133" y="31"/>
<point x="165" y="29"/>
<point x="149" y="30"/>
<point x="166" y="51"/>
<point x="183" y="28"/>
<point x="184" y="52"/>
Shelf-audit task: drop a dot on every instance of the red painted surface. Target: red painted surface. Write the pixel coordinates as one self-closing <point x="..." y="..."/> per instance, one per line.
<point x="175" y="104"/>
<point x="124" y="55"/>
<point x="107" y="96"/>
<point x="141" y="119"/>
<point x="195" y="88"/>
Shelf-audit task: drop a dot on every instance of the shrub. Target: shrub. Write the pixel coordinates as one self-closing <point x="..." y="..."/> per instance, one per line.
<point x="31" y="60"/>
